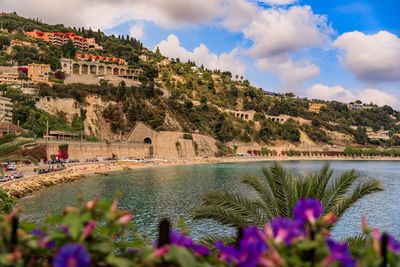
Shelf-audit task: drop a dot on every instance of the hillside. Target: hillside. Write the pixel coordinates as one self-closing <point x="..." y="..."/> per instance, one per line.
<point x="170" y="95"/>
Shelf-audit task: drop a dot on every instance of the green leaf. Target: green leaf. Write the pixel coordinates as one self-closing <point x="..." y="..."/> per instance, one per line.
<point x="73" y="221"/>
<point x="103" y="247"/>
<point x="307" y="245"/>
<point x="118" y="261"/>
<point x="182" y="256"/>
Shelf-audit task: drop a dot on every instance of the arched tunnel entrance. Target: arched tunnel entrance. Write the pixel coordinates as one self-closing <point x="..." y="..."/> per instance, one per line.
<point x="147" y="140"/>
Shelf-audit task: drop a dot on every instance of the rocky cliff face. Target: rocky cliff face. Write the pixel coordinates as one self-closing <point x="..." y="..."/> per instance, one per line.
<point x="94" y="124"/>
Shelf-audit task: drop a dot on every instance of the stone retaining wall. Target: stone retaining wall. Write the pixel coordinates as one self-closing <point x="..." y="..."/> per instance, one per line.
<point x="85" y="150"/>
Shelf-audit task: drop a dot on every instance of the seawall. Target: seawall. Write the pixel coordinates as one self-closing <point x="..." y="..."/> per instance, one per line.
<point x="84" y="150"/>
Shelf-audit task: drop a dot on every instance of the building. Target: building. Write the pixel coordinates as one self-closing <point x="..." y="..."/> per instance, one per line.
<point x="59" y="38"/>
<point x="379" y="135"/>
<point x="6" y="109"/>
<point x="273" y="94"/>
<point x="315" y="107"/>
<point x="39" y="73"/>
<point x="93" y="58"/>
<point x="164" y="62"/>
<point x="92" y="45"/>
<point x="358" y="106"/>
<point x="9" y="78"/>
<point x="354" y="106"/>
<point x="61" y="135"/>
<point x="8" y="127"/>
<point x="92" y="72"/>
<point x="144" y="57"/>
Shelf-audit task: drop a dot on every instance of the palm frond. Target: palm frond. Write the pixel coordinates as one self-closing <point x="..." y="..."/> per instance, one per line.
<point x="338" y="188"/>
<point x="14" y="146"/>
<point x="222" y="215"/>
<point x="237" y="203"/>
<point x="284" y="190"/>
<point x="264" y="193"/>
<point x="358" y="241"/>
<point x="321" y="181"/>
<point x="210" y="240"/>
<point x="366" y="188"/>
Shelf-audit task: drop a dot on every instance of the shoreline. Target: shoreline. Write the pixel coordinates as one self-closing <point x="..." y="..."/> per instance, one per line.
<point x="24" y="186"/>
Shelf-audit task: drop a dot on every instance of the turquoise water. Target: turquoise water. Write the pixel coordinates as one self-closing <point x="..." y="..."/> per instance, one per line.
<point x="172" y="192"/>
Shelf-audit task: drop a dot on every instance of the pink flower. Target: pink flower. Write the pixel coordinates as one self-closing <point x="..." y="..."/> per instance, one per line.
<point x="159" y="252"/>
<point x="92" y="204"/>
<point x="376" y="242"/>
<point x="89" y="229"/>
<point x="329" y="218"/>
<point x="113" y="207"/>
<point x="125" y="219"/>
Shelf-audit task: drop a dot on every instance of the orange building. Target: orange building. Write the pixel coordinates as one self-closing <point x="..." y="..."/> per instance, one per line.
<point x="59" y="38"/>
<point x="315" y="107"/>
<point x="101" y="59"/>
<point x="39" y="73"/>
<point x="164" y="62"/>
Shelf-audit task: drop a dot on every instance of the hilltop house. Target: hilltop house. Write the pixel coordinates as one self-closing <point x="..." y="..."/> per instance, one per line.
<point x="39" y="73"/>
<point x="59" y="38"/>
<point x="6" y="109"/>
<point x="315" y="107"/>
<point x="8" y="127"/>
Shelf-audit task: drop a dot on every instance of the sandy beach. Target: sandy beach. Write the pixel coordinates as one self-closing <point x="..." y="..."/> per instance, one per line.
<point x="73" y="172"/>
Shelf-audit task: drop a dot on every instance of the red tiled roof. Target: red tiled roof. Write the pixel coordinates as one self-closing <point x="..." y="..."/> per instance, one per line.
<point x="10" y="126"/>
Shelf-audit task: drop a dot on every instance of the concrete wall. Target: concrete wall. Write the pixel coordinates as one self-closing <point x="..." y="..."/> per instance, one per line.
<point x="93" y="79"/>
<point x="173" y="145"/>
<point x="85" y="150"/>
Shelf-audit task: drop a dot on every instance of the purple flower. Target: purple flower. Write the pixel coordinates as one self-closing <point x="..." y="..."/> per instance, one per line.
<point x="249" y="251"/>
<point x="180" y="240"/>
<point x="64" y="228"/>
<point x="393" y="244"/>
<point x="307" y="209"/>
<point x="286" y="230"/>
<point x="42" y="242"/>
<point x="72" y="255"/>
<point x="226" y="253"/>
<point x="339" y="252"/>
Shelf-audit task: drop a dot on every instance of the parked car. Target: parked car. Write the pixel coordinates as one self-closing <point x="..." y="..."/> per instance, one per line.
<point x="12" y="166"/>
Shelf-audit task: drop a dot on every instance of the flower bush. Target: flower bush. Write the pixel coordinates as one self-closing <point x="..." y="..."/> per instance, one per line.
<point x="99" y="234"/>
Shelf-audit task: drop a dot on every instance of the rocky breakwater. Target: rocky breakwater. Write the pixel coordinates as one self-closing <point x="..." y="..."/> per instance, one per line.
<point x="22" y="187"/>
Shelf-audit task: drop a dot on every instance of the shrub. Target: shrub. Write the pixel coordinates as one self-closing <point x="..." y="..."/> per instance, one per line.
<point x="102" y="235"/>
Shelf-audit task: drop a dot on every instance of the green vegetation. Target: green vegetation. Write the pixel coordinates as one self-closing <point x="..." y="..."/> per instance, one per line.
<point x="277" y="193"/>
<point x="198" y="96"/>
<point x="349" y="151"/>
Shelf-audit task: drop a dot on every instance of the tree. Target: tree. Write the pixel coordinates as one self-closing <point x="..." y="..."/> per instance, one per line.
<point x="11" y="148"/>
<point x="7" y="202"/>
<point x="4" y="41"/>
<point x="68" y="49"/>
<point x="277" y="193"/>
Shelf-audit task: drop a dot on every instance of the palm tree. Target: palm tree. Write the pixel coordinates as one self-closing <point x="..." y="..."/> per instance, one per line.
<point x="277" y="193"/>
<point x="10" y="146"/>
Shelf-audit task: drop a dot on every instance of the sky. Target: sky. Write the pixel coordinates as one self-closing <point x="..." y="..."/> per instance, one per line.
<point x="330" y="49"/>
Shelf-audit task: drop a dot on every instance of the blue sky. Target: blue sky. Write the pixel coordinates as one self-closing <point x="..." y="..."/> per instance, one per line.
<point x="332" y="49"/>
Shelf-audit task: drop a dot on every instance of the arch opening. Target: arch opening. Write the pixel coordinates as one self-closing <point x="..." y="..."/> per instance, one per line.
<point x="147" y="140"/>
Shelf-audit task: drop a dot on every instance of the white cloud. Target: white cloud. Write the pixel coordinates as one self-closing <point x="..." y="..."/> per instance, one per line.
<point x="292" y="73"/>
<point x="372" y="58"/>
<point x="201" y="55"/>
<point x="137" y="31"/>
<point x="320" y="91"/>
<point x="277" y="33"/>
<point x="106" y="14"/>
<point x="279" y="2"/>
<point x="237" y="14"/>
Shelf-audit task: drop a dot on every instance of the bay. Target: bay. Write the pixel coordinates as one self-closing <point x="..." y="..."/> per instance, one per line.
<point x="173" y="191"/>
